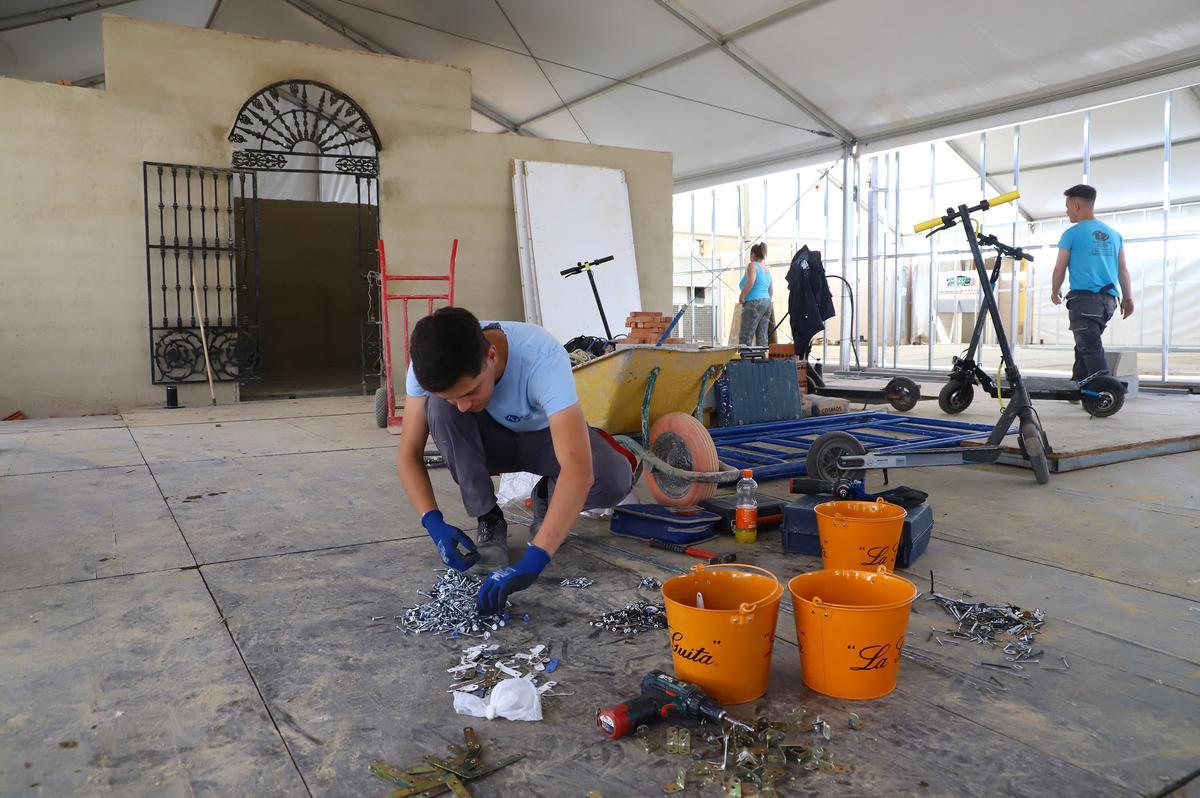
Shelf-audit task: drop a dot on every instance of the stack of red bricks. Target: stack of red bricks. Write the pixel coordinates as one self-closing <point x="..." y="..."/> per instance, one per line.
<point x="646" y="327"/>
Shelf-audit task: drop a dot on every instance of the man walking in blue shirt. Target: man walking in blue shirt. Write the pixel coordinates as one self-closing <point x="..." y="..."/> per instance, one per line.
<point x="1094" y="254"/>
<point x="499" y="397"/>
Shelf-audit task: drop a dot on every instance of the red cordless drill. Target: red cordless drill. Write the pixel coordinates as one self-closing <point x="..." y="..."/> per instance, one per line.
<point x="662" y="697"/>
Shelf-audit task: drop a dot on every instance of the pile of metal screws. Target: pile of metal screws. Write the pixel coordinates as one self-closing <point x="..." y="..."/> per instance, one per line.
<point x="576" y="581"/>
<point x="482" y="666"/>
<point x="650" y="583"/>
<point x="641" y="616"/>
<point x="995" y="625"/>
<point x="451" y="609"/>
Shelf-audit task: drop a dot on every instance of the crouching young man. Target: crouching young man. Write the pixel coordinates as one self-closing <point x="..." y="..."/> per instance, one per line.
<point x="499" y="397"/>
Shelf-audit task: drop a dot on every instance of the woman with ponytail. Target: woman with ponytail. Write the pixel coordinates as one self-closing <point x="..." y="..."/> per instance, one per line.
<point x="755" y="299"/>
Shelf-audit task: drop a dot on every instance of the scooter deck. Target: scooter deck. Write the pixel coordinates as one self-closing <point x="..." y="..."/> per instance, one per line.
<point x="1049" y="388"/>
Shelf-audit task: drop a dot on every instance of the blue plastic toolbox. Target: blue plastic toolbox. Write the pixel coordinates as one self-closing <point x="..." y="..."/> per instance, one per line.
<point x="684" y="525"/>
<point x="799" y="532"/>
<point x="756" y="391"/>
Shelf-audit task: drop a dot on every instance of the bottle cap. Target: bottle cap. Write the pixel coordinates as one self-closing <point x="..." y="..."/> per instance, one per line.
<point x="747" y="473"/>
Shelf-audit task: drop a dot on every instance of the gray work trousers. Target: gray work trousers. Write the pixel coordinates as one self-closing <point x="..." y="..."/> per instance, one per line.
<point x="476" y="446"/>
<point x="756" y="323"/>
<point x="1089" y="314"/>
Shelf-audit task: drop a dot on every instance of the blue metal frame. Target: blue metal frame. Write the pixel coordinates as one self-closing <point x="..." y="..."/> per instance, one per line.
<point x="778" y="450"/>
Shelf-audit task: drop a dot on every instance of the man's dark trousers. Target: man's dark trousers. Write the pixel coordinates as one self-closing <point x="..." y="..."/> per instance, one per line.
<point x="1089" y="314"/>
<point x="476" y="446"/>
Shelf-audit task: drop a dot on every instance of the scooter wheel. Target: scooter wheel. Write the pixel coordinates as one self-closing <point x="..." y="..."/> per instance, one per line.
<point x="955" y="397"/>
<point x="822" y="460"/>
<point x="903" y="393"/>
<point x="1110" y="398"/>
<point x="682" y="441"/>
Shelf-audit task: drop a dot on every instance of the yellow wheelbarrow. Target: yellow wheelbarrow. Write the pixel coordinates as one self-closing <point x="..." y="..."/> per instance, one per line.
<point x="621" y="392"/>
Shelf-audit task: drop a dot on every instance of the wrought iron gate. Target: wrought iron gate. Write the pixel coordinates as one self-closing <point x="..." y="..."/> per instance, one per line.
<point x="201" y="272"/>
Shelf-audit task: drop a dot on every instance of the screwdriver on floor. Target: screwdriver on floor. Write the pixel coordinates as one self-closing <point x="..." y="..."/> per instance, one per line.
<point x="662" y="697"/>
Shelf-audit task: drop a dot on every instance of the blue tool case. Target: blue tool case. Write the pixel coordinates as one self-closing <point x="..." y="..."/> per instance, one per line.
<point x="799" y="534"/>
<point x="685" y="525"/>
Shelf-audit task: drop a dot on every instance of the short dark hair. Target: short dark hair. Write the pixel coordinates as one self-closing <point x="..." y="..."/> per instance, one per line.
<point x="445" y="347"/>
<point x="1081" y="191"/>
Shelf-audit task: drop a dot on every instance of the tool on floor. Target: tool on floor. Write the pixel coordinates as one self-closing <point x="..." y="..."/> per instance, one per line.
<point x="711" y="558"/>
<point x="663" y="697"/>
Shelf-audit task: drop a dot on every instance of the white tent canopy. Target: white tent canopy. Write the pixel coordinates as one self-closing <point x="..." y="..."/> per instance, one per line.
<point x="732" y="89"/>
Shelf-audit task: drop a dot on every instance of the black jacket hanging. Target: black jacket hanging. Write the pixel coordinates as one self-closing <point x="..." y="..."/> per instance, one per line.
<point x="810" y="301"/>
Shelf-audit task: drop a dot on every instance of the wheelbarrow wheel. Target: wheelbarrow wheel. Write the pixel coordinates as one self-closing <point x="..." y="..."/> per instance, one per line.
<point x="822" y="460"/>
<point x="903" y="393"/>
<point x="381" y="408"/>
<point x="1110" y="400"/>
<point x="683" y="442"/>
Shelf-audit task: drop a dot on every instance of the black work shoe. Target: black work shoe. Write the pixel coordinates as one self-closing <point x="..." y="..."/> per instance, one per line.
<point x="539" y="504"/>
<point x="491" y="540"/>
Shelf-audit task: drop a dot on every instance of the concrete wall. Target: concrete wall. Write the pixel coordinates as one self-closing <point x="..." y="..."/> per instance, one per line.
<point x="73" y="326"/>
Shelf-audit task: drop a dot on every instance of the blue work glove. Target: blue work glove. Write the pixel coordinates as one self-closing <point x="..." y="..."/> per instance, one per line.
<point x="493" y="595"/>
<point x="448" y="538"/>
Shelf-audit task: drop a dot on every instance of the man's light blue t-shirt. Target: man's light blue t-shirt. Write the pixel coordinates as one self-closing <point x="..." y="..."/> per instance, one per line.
<point x="762" y="283"/>
<point x="1094" y="247"/>
<point x="537" y="380"/>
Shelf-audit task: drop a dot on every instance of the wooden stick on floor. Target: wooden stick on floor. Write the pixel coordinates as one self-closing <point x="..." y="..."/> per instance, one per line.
<point x="212" y="393"/>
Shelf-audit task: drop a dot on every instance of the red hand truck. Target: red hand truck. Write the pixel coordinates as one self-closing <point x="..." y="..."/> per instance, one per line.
<point x="385" y="396"/>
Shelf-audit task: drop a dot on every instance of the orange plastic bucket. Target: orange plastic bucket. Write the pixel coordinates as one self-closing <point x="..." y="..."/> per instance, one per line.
<point x="725" y="648"/>
<point x="850" y="626"/>
<point x="860" y="534"/>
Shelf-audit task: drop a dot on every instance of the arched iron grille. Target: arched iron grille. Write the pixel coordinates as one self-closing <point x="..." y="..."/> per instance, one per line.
<point x="274" y="122"/>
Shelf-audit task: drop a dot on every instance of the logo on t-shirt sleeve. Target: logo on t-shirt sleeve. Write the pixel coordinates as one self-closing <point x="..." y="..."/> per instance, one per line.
<point x="513" y="418"/>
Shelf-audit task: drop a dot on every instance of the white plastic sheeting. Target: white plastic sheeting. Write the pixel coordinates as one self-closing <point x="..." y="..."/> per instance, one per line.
<point x="882" y="71"/>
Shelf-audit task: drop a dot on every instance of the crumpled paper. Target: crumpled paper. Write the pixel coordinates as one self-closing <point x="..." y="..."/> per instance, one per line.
<point x="514" y="699"/>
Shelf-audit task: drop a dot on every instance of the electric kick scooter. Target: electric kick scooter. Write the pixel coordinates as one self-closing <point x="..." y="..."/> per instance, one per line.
<point x="1100" y="394"/>
<point x="837" y="456"/>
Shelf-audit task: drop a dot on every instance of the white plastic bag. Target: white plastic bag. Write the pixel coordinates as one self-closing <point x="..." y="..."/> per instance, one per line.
<point x="606" y="512"/>
<point x="515" y="487"/>
<point x="515" y="699"/>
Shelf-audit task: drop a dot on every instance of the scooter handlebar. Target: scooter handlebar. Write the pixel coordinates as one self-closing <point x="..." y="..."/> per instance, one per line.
<point x="928" y="224"/>
<point x="937" y="221"/>
<point x="1003" y="198"/>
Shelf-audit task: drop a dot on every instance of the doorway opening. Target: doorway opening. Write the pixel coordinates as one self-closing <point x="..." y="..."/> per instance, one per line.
<point x="314" y="154"/>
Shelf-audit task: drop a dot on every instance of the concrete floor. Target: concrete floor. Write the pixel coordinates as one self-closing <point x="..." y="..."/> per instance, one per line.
<point x="187" y="597"/>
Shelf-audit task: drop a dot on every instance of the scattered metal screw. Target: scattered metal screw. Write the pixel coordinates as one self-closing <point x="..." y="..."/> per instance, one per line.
<point x="641" y="616"/>
<point x="576" y="581"/>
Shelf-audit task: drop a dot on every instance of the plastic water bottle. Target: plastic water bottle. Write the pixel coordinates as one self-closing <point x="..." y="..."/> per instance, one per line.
<point x="745" y="518"/>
